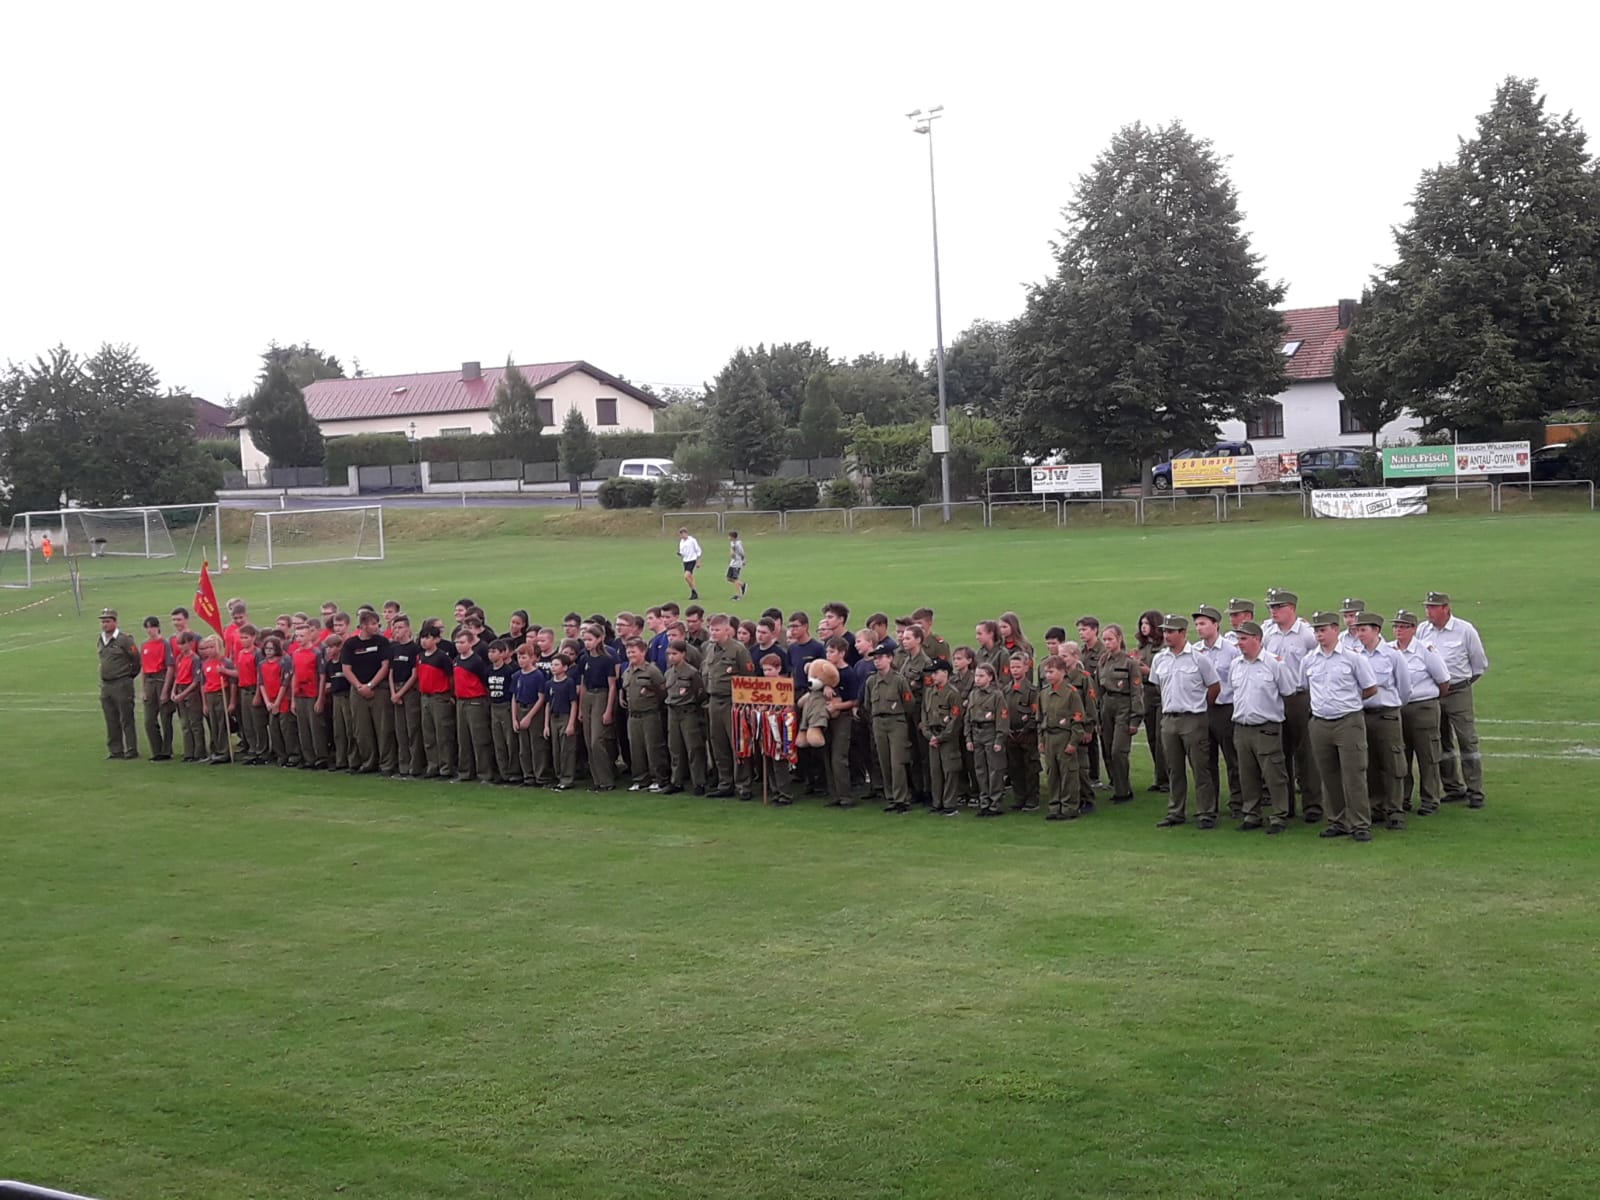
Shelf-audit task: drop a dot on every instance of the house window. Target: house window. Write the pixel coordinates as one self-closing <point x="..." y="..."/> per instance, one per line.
<point x="547" y="413"/>
<point x="1348" y="421"/>
<point x="1288" y="349"/>
<point x="605" y="411"/>
<point x="458" y="431"/>
<point x="1266" y="421"/>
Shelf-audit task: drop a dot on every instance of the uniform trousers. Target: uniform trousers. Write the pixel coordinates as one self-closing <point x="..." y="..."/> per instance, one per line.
<point x="1297" y="755"/>
<point x="1116" y="738"/>
<point x="733" y="774"/>
<point x="1022" y="767"/>
<point x="1460" y="762"/>
<point x="309" y="730"/>
<point x="1340" y="747"/>
<point x="686" y="745"/>
<point x="439" y="735"/>
<point x="410" y="756"/>
<point x="533" y="751"/>
<point x="507" y="754"/>
<point x="1262" y="773"/>
<point x="1186" y="739"/>
<point x="1219" y="723"/>
<point x="1419" y="725"/>
<point x="1153" y="718"/>
<point x="563" y="749"/>
<point x="1386" y="763"/>
<point x="1062" y="756"/>
<point x="474" y="740"/>
<point x="600" y="737"/>
<point x="252" y="722"/>
<point x="372" y="719"/>
<point x="157" y="716"/>
<point x="283" y="737"/>
<point x="891" y="738"/>
<point x="988" y="765"/>
<point x="116" y="705"/>
<point x="647" y="748"/>
<point x="840" y="731"/>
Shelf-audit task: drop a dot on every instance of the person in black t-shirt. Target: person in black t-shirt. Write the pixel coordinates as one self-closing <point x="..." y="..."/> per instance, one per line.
<point x="366" y="666"/>
<point x="404" y="699"/>
<point x="502" y="669"/>
<point x="337" y="691"/>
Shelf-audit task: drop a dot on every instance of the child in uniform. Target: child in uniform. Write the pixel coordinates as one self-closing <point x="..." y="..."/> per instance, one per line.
<point x="987" y="723"/>
<point x="1062" y="720"/>
<point x="214" y="670"/>
<point x="435" y="671"/>
<point x="842" y="705"/>
<point x="410" y="760"/>
<point x="156" y="663"/>
<point x="888" y="699"/>
<point x="277" y="684"/>
<point x="774" y="667"/>
<point x="1022" y="742"/>
<point x="474" y="740"/>
<point x="644" y="691"/>
<point x="502" y="728"/>
<point x="941" y="725"/>
<point x="561" y="721"/>
<point x="530" y="691"/>
<point x="252" y="714"/>
<point x="962" y="662"/>
<point x="306" y="661"/>
<point x="686" y="725"/>
<point x="336" y="698"/>
<point x="186" y="695"/>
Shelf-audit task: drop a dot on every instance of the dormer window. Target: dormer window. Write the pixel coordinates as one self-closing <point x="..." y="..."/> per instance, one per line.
<point x="1288" y="349"/>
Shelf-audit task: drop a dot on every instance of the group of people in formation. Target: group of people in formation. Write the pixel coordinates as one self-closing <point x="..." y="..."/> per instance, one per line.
<point x="1325" y="714"/>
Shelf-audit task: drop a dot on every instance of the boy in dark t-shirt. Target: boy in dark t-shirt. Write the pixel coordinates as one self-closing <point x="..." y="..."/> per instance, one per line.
<point x="561" y="721"/>
<point x="502" y="669"/>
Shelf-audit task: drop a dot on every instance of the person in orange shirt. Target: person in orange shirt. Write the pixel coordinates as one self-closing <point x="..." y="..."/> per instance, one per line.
<point x="45" y="548"/>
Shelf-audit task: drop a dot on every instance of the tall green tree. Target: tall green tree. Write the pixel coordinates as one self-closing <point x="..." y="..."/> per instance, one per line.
<point x="820" y="418"/>
<point x="279" y="422"/>
<point x="304" y="363"/>
<point x="1158" y="323"/>
<point x="785" y="368"/>
<point x="101" y="430"/>
<point x="746" y="426"/>
<point x="579" y="449"/>
<point x="973" y="377"/>
<point x="515" y="412"/>
<point x="1368" y="388"/>
<point x="1491" y="311"/>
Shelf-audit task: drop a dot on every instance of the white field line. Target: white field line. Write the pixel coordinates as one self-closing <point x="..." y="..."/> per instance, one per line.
<point x="66" y="637"/>
<point x="1525" y="721"/>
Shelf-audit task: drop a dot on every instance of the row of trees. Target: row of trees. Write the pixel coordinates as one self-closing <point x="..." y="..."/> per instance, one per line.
<point x="1159" y="322"/>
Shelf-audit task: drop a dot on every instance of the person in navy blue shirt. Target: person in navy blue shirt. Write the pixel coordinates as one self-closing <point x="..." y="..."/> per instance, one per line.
<point x="561" y="721"/>
<point x="803" y="649"/>
<point x="530" y="693"/>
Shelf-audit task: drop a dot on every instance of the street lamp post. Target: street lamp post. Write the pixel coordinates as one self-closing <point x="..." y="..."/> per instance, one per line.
<point x="922" y="122"/>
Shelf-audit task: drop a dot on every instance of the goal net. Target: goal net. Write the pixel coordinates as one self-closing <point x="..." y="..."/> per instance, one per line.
<point x="294" y="536"/>
<point x="143" y="540"/>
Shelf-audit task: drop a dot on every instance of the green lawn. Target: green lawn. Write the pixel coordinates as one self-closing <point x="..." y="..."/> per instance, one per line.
<point x="223" y="982"/>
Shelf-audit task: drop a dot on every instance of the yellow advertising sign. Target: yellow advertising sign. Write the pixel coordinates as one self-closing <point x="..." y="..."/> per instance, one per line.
<point x="759" y="689"/>
<point x="1204" y="472"/>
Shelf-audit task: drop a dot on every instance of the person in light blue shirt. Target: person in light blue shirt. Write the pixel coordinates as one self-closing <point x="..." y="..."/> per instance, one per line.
<point x="1419" y="716"/>
<point x="1258" y="683"/>
<point x="1219" y="715"/>
<point x="1338" y="682"/>
<point x="1386" y="755"/>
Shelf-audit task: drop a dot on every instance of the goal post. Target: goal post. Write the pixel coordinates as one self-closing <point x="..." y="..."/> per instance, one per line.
<point x="282" y="537"/>
<point x="148" y="539"/>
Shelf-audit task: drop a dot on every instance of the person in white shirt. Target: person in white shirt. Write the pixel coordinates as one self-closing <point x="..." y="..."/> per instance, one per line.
<point x="689" y="552"/>
<point x="1338" y="682"/>
<point x="1259" y="683"/>
<point x="1349" y="639"/>
<point x="1458" y="643"/>
<point x="1419" y="716"/>
<point x="1188" y="684"/>
<point x="1386" y="756"/>
<point x="1219" y="716"/>
<point x="1289" y="639"/>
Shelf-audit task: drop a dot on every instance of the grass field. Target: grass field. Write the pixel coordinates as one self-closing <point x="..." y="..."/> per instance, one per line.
<point x="221" y="982"/>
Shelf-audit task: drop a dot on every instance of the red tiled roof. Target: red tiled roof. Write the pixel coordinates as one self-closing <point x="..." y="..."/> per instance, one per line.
<point x="437" y="391"/>
<point x="1317" y="330"/>
<point x="210" y="420"/>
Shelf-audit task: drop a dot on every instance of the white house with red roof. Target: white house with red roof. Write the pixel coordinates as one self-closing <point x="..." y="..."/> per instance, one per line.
<point x="443" y="403"/>
<point x="1311" y="412"/>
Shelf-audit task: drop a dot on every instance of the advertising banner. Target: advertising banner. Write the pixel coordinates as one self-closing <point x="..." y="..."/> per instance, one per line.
<point x="1068" y="477"/>
<point x="1210" y="472"/>
<point x="1492" y="458"/>
<point x="761" y="690"/>
<point x="1418" y="462"/>
<point x="1369" y="502"/>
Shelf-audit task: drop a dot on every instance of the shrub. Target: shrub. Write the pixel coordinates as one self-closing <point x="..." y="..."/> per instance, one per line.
<point x="843" y="493"/>
<point x="1583" y="456"/>
<point x="697" y="461"/>
<point x="627" y="493"/>
<point x="899" y="487"/>
<point x="785" y="494"/>
<point x="466" y="447"/>
<point x="672" y="493"/>
<point x="367" y="450"/>
<point x="224" y="449"/>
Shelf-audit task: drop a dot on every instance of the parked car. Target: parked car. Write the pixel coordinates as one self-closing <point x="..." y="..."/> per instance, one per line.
<point x="1343" y="461"/>
<point x="646" y="468"/>
<point x="1161" y="473"/>
<point x="1552" y="462"/>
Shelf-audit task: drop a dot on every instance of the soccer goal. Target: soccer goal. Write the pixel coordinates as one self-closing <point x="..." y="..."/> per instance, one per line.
<point x="142" y="540"/>
<point x="294" y="536"/>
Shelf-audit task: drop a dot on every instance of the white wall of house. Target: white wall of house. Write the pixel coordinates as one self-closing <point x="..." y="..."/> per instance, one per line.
<point x="578" y="390"/>
<point x="1311" y="418"/>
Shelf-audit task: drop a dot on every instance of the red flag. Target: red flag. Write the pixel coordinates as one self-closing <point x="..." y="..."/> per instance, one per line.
<point x="205" y="599"/>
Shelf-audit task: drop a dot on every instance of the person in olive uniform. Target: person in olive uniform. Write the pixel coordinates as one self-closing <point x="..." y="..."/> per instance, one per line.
<point x="1337" y="683"/>
<point x="1089" y="651"/>
<point x="888" y="699"/>
<point x="941" y="726"/>
<point x="1259" y="682"/>
<point x="1188" y="684"/>
<point x="1078" y="676"/>
<point x="1239" y="611"/>
<point x="686" y="722"/>
<point x="1386" y="754"/>
<point x="1419" y="716"/>
<point x="119" y="667"/>
<point x="987" y="721"/>
<point x="725" y="658"/>
<point x="1289" y="639"/>
<point x="1147" y="645"/>
<point x="1458" y="643"/>
<point x="1219" y="714"/>
<point x="1022" y="741"/>
<point x="644" y="692"/>
<point x="914" y="665"/>
<point x="1121" y="691"/>
<point x="1061" y="724"/>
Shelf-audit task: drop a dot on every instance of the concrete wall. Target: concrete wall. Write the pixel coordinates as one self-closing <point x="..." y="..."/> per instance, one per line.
<point x="1311" y="418"/>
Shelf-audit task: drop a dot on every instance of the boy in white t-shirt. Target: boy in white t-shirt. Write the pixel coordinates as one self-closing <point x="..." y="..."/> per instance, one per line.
<point x="689" y="552"/>
<point x="736" y="564"/>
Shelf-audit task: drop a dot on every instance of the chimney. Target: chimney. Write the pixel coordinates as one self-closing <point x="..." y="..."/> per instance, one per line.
<point x="1347" y="313"/>
<point x="472" y="370"/>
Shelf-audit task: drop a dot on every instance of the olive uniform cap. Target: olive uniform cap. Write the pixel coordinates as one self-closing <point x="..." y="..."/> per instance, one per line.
<point x="1175" y="622"/>
<point x="1241" y="606"/>
<point x="1369" y="618"/>
<point x="1405" y="617"/>
<point x="1206" y="610"/>
<point x="1437" y="598"/>
<point x="108" y="614"/>
<point x="1278" y="596"/>
<point x="1355" y="606"/>
<point x="1318" y="620"/>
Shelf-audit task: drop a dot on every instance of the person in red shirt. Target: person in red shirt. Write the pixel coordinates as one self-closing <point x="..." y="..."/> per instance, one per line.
<point x="252" y="709"/>
<point x="156" y="662"/>
<point x="216" y="673"/>
<point x="307" y="690"/>
<point x="435" y="671"/>
<point x="277" y="701"/>
<point x="474" y="739"/>
<point x="239" y="617"/>
<point x="186" y="695"/>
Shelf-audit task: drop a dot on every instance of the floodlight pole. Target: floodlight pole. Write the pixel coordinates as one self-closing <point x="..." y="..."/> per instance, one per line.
<point x="923" y="124"/>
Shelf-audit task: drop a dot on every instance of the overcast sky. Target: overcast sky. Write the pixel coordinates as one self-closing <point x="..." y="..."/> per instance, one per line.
<point x="648" y="186"/>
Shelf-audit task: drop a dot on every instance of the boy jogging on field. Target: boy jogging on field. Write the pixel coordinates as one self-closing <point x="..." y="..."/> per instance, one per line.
<point x="736" y="565"/>
<point x="689" y="553"/>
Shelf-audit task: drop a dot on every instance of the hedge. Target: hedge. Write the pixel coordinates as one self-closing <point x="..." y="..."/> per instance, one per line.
<point x="367" y="450"/>
<point x="895" y="488"/>
<point x="843" y="493"/>
<point x="627" y="493"/>
<point x="223" y="449"/>
<point x="784" y="493"/>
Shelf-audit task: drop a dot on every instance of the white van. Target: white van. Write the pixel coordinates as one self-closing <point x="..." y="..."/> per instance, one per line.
<point x="645" y="468"/>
